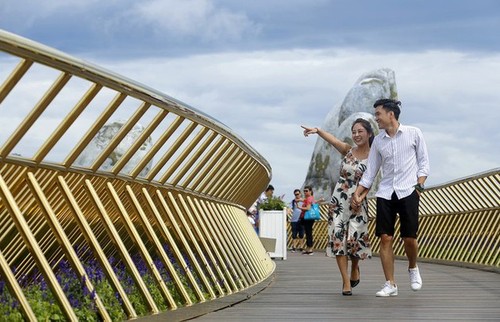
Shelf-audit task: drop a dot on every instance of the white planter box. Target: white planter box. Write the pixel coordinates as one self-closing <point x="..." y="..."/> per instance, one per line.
<point x="273" y="226"/>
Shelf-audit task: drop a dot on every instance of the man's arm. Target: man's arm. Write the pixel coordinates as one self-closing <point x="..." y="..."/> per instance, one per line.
<point x="422" y="158"/>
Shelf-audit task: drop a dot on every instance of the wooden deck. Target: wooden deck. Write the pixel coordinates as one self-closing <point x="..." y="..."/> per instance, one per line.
<point x="308" y="288"/>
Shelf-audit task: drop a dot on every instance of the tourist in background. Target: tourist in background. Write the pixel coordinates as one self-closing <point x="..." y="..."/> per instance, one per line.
<point x="307" y="223"/>
<point x="401" y="153"/>
<point x="297" y="227"/>
<point x="268" y="193"/>
<point x="251" y="218"/>
<point x="348" y="227"/>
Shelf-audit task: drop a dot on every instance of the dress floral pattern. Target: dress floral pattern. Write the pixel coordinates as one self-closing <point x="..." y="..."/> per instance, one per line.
<point x="347" y="229"/>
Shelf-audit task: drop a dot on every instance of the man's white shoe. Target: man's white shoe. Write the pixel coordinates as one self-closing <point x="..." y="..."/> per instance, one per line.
<point x="388" y="290"/>
<point x="415" y="279"/>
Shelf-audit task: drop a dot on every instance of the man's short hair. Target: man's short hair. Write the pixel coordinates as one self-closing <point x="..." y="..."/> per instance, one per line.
<point x="390" y="105"/>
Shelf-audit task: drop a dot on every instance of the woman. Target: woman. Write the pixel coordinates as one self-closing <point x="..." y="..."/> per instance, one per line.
<point x="308" y="224"/>
<point x="348" y="227"/>
<point x="297" y="228"/>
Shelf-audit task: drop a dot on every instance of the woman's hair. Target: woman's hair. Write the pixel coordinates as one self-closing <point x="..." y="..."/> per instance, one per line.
<point x="309" y="188"/>
<point x="368" y="128"/>
<point x="389" y="105"/>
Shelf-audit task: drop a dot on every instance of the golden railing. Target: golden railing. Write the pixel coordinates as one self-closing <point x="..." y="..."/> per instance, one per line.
<point x="459" y="222"/>
<point x="159" y="217"/>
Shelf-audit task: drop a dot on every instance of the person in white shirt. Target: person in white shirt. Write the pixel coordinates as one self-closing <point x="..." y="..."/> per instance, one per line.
<point x="401" y="153"/>
<point x="297" y="227"/>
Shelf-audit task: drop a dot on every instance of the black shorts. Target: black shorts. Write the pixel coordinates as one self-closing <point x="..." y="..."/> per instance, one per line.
<point x="407" y="208"/>
<point x="297" y="230"/>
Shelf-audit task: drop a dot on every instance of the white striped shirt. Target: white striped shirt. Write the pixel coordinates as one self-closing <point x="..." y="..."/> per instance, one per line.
<point x="403" y="159"/>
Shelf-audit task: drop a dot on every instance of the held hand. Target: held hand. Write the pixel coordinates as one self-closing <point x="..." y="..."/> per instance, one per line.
<point x="309" y="130"/>
<point x="356" y="201"/>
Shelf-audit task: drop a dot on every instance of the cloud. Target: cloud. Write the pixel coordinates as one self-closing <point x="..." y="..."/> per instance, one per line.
<point x="264" y="68"/>
<point x="33" y="12"/>
<point x="266" y="95"/>
<point x="192" y="18"/>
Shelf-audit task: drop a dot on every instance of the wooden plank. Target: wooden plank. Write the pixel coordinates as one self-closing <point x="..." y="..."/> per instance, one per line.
<point x="308" y="288"/>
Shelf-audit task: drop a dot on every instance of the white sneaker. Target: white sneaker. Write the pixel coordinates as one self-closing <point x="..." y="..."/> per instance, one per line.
<point x="388" y="290"/>
<point x="415" y="279"/>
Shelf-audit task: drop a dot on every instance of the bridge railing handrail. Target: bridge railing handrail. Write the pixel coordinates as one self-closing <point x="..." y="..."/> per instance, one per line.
<point x="99" y="173"/>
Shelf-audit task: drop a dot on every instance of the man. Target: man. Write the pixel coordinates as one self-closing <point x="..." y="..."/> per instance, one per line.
<point x="400" y="151"/>
<point x="268" y="193"/>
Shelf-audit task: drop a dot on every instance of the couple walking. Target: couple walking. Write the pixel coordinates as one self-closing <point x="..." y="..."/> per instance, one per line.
<point x="401" y="153"/>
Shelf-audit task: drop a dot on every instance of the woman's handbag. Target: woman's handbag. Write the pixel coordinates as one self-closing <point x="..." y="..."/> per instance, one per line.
<point x="313" y="213"/>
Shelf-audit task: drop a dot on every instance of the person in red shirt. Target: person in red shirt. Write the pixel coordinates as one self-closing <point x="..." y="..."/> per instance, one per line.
<point x="308" y="224"/>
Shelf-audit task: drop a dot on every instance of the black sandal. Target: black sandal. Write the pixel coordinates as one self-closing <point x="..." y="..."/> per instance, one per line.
<point x="355" y="283"/>
<point x="346" y="293"/>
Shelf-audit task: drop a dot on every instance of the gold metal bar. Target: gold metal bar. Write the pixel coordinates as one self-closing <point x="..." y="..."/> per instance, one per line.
<point x="195" y="229"/>
<point x="165" y="232"/>
<point x="235" y="217"/>
<point x="154" y="238"/>
<point x="174" y="246"/>
<point x="230" y="243"/>
<point x="35" y="113"/>
<point x="240" y="240"/>
<point x="495" y="240"/>
<point x="214" y="236"/>
<point x="158" y="144"/>
<point x="238" y="193"/>
<point x="487" y="234"/>
<point x="171" y="150"/>
<point x="202" y="163"/>
<point x="218" y="168"/>
<point x="64" y="242"/>
<point x="183" y="156"/>
<point x="113" y="234"/>
<point x="475" y="230"/>
<point x="192" y="239"/>
<point x="67" y="122"/>
<point x="14" y="78"/>
<point x="139" y="142"/>
<point x="238" y="176"/>
<point x="16" y="290"/>
<point x="124" y="130"/>
<point x="189" y="164"/>
<point x="231" y="173"/>
<point x="36" y="252"/>
<point x="136" y="238"/>
<point x="209" y="165"/>
<point x="96" y="247"/>
<point x="460" y="234"/>
<point x="91" y="133"/>
<point x="441" y="228"/>
<point x="480" y="230"/>
<point x="212" y="250"/>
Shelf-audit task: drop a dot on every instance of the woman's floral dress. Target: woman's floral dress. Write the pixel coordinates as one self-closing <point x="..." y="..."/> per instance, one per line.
<point x="348" y="230"/>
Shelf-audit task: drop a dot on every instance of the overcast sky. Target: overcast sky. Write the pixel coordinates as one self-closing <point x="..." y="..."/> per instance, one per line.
<point x="265" y="67"/>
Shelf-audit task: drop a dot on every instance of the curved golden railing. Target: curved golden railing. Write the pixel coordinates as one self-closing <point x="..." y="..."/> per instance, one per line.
<point x="134" y="195"/>
<point x="459" y="222"/>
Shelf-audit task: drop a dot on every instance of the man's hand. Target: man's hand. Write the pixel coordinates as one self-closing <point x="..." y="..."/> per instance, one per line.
<point x="356" y="201"/>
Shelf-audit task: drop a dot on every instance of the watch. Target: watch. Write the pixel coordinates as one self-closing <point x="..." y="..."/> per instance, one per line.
<point x="419" y="187"/>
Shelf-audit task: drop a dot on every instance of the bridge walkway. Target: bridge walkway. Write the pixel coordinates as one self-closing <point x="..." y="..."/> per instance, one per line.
<point x="308" y="288"/>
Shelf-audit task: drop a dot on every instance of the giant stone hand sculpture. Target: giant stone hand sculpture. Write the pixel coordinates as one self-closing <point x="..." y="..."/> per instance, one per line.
<point x="324" y="168"/>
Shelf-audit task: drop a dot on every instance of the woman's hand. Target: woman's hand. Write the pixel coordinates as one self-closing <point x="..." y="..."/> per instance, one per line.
<point x="356" y="201"/>
<point x="309" y="130"/>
